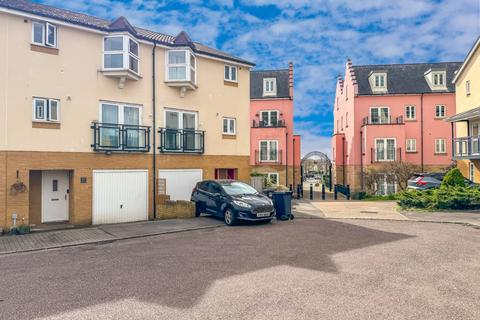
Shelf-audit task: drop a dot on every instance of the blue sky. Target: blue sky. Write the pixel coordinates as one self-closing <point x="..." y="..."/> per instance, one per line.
<point x="316" y="35"/>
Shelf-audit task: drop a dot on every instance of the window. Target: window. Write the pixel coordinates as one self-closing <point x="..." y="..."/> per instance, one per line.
<point x="411" y="145"/>
<point x="269" y="118"/>
<point x="112" y="115"/>
<point x="181" y="66"/>
<point x="180" y="129"/>
<point x="471" y="172"/>
<point x="226" y="173"/>
<point x="379" y="81"/>
<point x="385" y="185"/>
<point x="229" y="126"/>
<point x="379" y="115"/>
<point x="439" y="79"/>
<point x="44" y="34"/>
<point x="46" y="109"/>
<point x="120" y="53"/>
<point x="440" y="111"/>
<point x="54" y="185"/>
<point x="410" y="113"/>
<point x="346" y="120"/>
<point x="346" y="92"/>
<point x="467" y="87"/>
<point x="385" y="149"/>
<point x="341" y="123"/>
<point x="269" y="86"/>
<point x="268" y="150"/>
<point x="230" y="73"/>
<point x="273" y="178"/>
<point x="440" y="146"/>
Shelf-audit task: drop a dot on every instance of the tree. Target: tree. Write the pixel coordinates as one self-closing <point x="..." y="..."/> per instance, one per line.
<point x="395" y="171"/>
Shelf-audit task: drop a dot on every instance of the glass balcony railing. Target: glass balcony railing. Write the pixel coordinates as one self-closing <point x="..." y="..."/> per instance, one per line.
<point x="181" y="141"/>
<point x="120" y="137"/>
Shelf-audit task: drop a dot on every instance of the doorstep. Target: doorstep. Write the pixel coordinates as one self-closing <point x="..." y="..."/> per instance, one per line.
<point x="53" y="226"/>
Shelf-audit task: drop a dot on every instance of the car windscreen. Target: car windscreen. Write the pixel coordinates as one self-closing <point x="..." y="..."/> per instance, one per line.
<point x="236" y="188"/>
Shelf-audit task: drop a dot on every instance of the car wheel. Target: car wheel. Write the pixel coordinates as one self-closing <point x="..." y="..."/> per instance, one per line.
<point x="198" y="209"/>
<point x="229" y="217"/>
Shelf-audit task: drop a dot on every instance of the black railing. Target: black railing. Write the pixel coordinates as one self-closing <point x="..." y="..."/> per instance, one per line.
<point x="385" y="155"/>
<point x="181" y="141"/>
<point x="265" y="124"/>
<point x="366" y="121"/>
<point x="120" y="137"/>
<point x="274" y="158"/>
<point x="340" y="188"/>
<point x="467" y="147"/>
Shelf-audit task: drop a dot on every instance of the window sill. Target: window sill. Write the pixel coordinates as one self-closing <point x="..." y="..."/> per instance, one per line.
<point x="410" y="120"/>
<point x="229" y="136"/>
<point x="230" y="83"/>
<point x="44" y="49"/>
<point x="181" y="83"/>
<point x="411" y="151"/>
<point x="45" y="125"/>
<point x="440" y="153"/>
<point x="440" y="118"/>
<point x="119" y="73"/>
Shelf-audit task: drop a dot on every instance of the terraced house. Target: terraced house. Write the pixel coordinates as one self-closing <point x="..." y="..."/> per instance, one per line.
<point x="97" y="117"/>
<point x="395" y="112"/>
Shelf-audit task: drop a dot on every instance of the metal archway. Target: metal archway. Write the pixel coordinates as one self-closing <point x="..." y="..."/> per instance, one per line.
<point x="317" y="162"/>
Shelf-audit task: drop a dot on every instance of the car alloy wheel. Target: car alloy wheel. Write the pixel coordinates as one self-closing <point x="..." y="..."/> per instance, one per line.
<point x="229" y="217"/>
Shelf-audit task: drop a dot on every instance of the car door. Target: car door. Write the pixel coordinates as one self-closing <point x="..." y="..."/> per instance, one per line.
<point x="214" y="198"/>
<point x="201" y="195"/>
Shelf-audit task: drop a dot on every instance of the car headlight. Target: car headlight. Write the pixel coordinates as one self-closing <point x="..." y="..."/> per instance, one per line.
<point x="242" y="204"/>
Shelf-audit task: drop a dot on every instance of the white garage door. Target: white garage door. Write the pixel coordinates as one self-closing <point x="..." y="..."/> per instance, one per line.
<point x="120" y="196"/>
<point x="180" y="182"/>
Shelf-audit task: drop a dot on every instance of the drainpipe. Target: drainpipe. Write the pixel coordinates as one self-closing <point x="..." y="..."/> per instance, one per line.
<point x="154" y="124"/>
<point x="343" y="160"/>
<point x="421" y="130"/>
<point x="361" y="160"/>
<point x="293" y="161"/>
<point x="286" y="159"/>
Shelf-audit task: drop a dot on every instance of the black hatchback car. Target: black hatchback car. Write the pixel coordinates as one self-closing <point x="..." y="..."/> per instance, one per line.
<point x="231" y="200"/>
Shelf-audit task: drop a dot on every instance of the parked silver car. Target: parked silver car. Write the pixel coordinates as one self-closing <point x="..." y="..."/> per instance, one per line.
<point x="425" y="181"/>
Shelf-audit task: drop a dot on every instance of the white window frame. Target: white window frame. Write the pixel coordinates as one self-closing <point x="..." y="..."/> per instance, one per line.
<point x="385" y="159"/>
<point x="379" y="115"/>
<point x="437" y="76"/>
<point x="47" y="102"/>
<point x="187" y="65"/>
<point x="121" y="113"/>
<point x="274" y="174"/>
<point x="385" y="184"/>
<point x="269" y="112"/>
<point x="408" y="112"/>
<point x="266" y="85"/>
<point x="442" y="110"/>
<point x="443" y="143"/>
<point x="45" y="26"/>
<point x="229" y="126"/>
<point x="411" y="145"/>
<point x="467" y="87"/>
<point x="230" y="74"/>
<point x="125" y="52"/>
<point x="180" y="117"/>
<point x="268" y="150"/>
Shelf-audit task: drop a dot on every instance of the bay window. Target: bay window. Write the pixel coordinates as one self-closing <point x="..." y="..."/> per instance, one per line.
<point x="385" y="149"/>
<point x="120" y="53"/>
<point x="181" y="66"/>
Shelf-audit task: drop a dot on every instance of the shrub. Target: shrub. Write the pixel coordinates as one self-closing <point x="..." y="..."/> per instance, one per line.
<point x="415" y="199"/>
<point x="443" y="198"/>
<point x="23" y="229"/>
<point x="453" y="178"/>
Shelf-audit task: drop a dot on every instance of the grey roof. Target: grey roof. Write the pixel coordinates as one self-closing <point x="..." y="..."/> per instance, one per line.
<point x="256" y="83"/>
<point x="405" y="78"/>
<point x="119" y="24"/>
<point x="469" y="114"/>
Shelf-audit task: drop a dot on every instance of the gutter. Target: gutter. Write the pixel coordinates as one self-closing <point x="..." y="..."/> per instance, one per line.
<point x="421" y="130"/>
<point x="286" y="159"/>
<point x="154" y="124"/>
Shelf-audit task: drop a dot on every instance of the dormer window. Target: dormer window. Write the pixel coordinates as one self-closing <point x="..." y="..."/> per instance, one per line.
<point x="269" y="86"/>
<point x="439" y="79"/>
<point x="120" y="53"/>
<point x="44" y="34"/>
<point x="181" y="66"/>
<point x="378" y="82"/>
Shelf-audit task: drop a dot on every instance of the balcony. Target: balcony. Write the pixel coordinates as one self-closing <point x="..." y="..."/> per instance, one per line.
<point x="384" y="155"/>
<point x="367" y="121"/>
<point x="264" y="124"/>
<point x="181" y="141"/>
<point x="112" y="137"/>
<point x="274" y="158"/>
<point x="466" y="147"/>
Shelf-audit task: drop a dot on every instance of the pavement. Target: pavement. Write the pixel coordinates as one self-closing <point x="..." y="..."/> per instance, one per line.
<point x="301" y="269"/>
<point x="98" y="234"/>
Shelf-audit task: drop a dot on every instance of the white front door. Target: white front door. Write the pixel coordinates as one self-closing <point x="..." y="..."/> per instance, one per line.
<point x="55" y="192"/>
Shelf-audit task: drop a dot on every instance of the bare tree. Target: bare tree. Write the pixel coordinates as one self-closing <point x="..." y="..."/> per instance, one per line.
<point x="395" y="172"/>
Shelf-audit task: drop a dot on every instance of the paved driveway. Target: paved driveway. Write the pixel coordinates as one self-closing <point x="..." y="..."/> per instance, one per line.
<point x="301" y="269"/>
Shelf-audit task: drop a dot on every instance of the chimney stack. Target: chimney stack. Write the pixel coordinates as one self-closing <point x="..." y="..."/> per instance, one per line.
<point x="290" y="79"/>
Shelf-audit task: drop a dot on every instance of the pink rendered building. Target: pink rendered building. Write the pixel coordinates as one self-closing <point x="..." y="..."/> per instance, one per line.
<point x="392" y="113"/>
<point x="274" y="148"/>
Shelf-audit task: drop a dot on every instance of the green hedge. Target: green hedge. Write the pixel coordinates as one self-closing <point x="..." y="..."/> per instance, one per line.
<point x="440" y="199"/>
<point x="453" y="178"/>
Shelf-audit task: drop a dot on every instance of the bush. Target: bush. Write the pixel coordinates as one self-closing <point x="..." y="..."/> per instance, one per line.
<point x="453" y="178"/>
<point x="444" y="198"/>
<point x="379" y="197"/>
<point x="23" y="229"/>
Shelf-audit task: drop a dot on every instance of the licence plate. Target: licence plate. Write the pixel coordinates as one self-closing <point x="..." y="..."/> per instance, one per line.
<point x="263" y="214"/>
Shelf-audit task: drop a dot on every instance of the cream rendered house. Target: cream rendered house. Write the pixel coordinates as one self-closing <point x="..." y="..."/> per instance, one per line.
<point x="97" y="116"/>
<point x="466" y="122"/>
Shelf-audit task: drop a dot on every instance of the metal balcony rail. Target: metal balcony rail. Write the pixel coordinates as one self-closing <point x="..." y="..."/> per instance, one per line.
<point x="385" y="155"/>
<point x="264" y="124"/>
<point x="366" y="121"/>
<point x="181" y="140"/>
<point x="120" y="137"/>
<point x="273" y="157"/>
<point x="467" y="147"/>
